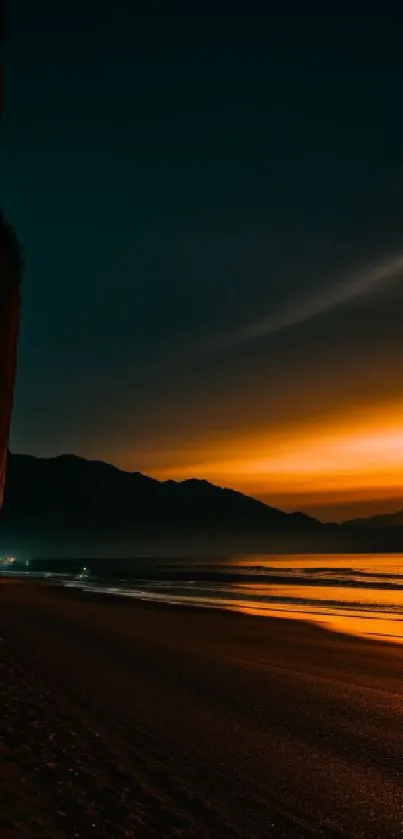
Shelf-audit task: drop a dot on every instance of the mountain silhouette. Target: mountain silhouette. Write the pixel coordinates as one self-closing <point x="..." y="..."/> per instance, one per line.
<point x="72" y="490"/>
<point x="70" y="499"/>
<point x="68" y="505"/>
<point x="380" y="520"/>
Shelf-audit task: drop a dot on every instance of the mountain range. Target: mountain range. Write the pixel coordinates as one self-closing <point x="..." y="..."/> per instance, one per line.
<point x="69" y="504"/>
<point x="381" y="520"/>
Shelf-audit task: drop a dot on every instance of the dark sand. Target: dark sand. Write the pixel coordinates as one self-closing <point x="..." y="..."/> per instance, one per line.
<point x="122" y="720"/>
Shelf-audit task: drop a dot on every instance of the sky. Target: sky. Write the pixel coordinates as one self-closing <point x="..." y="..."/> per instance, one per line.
<point x="211" y="212"/>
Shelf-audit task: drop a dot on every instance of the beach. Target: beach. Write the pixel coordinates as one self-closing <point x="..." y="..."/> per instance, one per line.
<point x="126" y="719"/>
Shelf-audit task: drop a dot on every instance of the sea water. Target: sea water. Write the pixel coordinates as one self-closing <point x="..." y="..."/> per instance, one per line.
<point x="355" y="594"/>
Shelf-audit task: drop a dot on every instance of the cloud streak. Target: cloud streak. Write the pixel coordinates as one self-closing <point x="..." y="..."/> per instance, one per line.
<point x="341" y="291"/>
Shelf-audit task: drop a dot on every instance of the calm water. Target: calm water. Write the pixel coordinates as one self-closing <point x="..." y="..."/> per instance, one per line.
<point x="356" y="594"/>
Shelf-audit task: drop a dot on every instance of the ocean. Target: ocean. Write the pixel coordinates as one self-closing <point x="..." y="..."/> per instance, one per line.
<point x="354" y="594"/>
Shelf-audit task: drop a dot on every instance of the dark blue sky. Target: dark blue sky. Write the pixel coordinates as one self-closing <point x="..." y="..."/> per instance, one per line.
<point x="211" y="212"/>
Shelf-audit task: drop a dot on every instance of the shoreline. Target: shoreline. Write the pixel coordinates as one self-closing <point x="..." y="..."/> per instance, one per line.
<point x="124" y="718"/>
<point x="321" y="626"/>
<point x="358" y="596"/>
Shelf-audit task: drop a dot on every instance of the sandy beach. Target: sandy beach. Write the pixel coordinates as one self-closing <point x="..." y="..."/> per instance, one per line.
<point x="126" y="720"/>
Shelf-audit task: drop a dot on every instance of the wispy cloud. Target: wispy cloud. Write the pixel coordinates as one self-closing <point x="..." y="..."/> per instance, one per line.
<point x="339" y="292"/>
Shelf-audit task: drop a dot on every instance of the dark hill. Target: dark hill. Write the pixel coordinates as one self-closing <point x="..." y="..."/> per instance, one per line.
<point x="71" y="506"/>
<point x="70" y="499"/>
<point x="70" y="490"/>
<point x="383" y="520"/>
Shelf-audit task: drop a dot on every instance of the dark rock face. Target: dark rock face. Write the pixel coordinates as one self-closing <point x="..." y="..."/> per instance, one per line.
<point x="9" y="322"/>
<point x="10" y="277"/>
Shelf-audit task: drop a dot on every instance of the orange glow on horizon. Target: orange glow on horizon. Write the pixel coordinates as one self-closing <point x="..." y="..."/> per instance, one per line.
<point x="357" y="454"/>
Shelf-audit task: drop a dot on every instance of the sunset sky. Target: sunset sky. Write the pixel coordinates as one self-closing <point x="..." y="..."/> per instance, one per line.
<point x="212" y="215"/>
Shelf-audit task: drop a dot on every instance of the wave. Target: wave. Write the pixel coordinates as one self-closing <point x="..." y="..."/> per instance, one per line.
<point x="360" y="595"/>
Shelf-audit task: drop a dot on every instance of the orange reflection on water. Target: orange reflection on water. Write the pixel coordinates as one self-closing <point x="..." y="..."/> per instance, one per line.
<point x="354" y="594"/>
<point x="323" y="605"/>
<point x="372" y="625"/>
